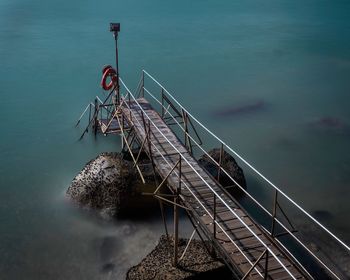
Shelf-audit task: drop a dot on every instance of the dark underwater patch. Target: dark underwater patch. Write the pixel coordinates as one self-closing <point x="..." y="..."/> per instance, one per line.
<point x="232" y="110"/>
<point x="330" y="124"/>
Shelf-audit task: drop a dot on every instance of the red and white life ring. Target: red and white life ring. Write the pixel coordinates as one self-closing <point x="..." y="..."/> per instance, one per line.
<point x="108" y="71"/>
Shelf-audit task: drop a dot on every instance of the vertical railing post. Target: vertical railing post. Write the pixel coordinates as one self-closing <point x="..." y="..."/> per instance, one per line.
<point x="90" y="112"/>
<point x="266" y="274"/>
<point x="214" y="217"/>
<point x="180" y="175"/>
<point x="187" y="138"/>
<point x="220" y="161"/>
<point x="272" y="232"/>
<point x="176" y="230"/>
<point x="122" y="130"/>
<point x="176" y="215"/>
<point x="100" y="106"/>
<point x="144" y="123"/>
<point x="162" y="103"/>
<point x="130" y="115"/>
<point x="274" y="214"/>
<point x="143" y="84"/>
<point x="96" y="116"/>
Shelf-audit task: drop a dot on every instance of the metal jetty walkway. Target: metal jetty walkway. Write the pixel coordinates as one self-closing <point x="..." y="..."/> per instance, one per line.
<point x="241" y="242"/>
<point x="163" y="129"/>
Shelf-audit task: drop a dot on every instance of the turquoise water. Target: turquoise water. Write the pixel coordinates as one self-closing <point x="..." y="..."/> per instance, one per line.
<point x="293" y="57"/>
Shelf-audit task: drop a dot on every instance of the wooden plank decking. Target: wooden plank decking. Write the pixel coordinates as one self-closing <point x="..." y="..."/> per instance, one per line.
<point x="165" y="156"/>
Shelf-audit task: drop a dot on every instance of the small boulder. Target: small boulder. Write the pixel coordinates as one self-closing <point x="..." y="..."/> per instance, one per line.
<point x="229" y="164"/>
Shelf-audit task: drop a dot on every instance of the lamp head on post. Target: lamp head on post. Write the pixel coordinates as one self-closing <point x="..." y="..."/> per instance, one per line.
<point x="115" y="28"/>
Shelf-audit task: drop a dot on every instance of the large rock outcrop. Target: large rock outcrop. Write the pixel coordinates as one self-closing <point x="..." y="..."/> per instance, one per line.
<point x="103" y="183"/>
<point x="111" y="185"/>
<point x="229" y="164"/>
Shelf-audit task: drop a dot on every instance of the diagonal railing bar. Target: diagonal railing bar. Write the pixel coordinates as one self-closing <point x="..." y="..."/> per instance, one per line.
<point x="254" y="265"/>
<point x="171" y="202"/>
<point x="166" y="177"/>
<point x="285" y="215"/>
<point x="187" y="245"/>
<point x="131" y="154"/>
<point x="83" y="113"/>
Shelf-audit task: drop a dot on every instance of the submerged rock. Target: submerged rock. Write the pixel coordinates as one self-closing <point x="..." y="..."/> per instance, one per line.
<point x="322" y="215"/>
<point x="331" y="124"/>
<point x="229" y="164"/>
<point x="103" y="183"/>
<point x="196" y="264"/>
<point x="334" y="255"/>
<point x="243" y="109"/>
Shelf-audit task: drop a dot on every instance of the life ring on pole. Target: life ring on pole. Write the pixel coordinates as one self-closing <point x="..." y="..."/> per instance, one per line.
<point x="108" y="71"/>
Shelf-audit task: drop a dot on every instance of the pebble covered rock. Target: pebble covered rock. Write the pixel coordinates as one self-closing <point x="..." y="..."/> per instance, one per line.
<point x="103" y="183"/>
<point x="196" y="264"/>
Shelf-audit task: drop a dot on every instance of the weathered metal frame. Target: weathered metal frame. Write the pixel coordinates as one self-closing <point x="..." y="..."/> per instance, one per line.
<point x="134" y="100"/>
<point x="188" y="139"/>
<point x="274" y="219"/>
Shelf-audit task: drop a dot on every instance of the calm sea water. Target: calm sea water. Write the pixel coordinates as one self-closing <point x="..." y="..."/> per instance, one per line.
<point x="291" y="57"/>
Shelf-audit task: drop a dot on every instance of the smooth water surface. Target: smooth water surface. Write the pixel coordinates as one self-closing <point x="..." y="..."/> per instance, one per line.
<point x="288" y="61"/>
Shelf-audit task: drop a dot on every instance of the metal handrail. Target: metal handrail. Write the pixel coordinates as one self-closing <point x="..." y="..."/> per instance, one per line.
<point x="213" y="191"/>
<point x="251" y="166"/>
<point x="84" y="112"/>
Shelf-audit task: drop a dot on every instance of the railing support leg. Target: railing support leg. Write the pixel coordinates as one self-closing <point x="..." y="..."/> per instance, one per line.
<point x="96" y="116"/>
<point x="254" y="265"/>
<point x="143" y="84"/>
<point x="274" y="214"/>
<point x="162" y="103"/>
<point x="89" y="112"/>
<point x="214" y="217"/>
<point x="161" y="205"/>
<point x="266" y="274"/>
<point x="188" y="144"/>
<point x="220" y="161"/>
<point x="176" y="230"/>
<point x="122" y="130"/>
<point x="176" y="216"/>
